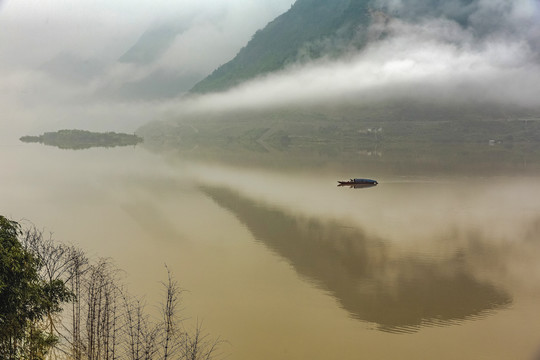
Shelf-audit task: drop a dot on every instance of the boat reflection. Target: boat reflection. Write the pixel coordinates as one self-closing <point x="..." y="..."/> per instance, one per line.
<point x="398" y="294"/>
<point x="357" y="186"/>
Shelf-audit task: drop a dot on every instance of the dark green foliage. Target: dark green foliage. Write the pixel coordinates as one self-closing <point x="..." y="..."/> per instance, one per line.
<point x="459" y="11"/>
<point x="82" y="139"/>
<point x="299" y="32"/>
<point x="25" y="299"/>
<point x="313" y="29"/>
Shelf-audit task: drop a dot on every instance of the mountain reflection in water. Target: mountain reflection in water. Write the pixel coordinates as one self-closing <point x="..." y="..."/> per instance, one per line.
<point x="398" y="294"/>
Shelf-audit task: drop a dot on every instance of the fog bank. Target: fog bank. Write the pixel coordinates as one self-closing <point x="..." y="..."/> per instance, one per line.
<point x="481" y="51"/>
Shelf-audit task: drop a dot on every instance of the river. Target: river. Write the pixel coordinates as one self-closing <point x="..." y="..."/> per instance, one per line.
<point x="281" y="263"/>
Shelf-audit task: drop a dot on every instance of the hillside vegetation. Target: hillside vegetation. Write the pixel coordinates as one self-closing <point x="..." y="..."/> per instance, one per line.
<point x="387" y="138"/>
<point x="83" y="139"/>
<point x="312" y="29"/>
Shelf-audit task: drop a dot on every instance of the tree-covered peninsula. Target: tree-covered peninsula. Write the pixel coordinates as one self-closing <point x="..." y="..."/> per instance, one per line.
<point x="83" y="139"/>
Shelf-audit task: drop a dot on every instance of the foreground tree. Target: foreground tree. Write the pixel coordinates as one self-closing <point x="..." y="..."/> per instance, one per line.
<point x="39" y="276"/>
<point x="25" y="299"/>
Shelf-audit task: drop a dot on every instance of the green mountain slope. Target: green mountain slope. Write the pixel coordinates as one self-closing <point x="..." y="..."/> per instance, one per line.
<point x="311" y="28"/>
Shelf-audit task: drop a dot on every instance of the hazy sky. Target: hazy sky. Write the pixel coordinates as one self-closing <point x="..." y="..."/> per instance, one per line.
<point x="37" y="29"/>
<point x="58" y="56"/>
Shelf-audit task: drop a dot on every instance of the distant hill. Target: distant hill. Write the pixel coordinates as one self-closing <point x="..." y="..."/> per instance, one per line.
<point x="82" y="139"/>
<point x="73" y="68"/>
<point x="307" y="30"/>
<point x="401" y="138"/>
<point x="152" y="43"/>
<point x="311" y="29"/>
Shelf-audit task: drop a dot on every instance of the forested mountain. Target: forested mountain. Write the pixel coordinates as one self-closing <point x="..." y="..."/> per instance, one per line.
<point x="315" y="28"/>
<point x="310" y="29"/>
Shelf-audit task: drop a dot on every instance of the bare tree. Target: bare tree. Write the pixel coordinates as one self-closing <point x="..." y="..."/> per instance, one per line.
<point x="54" y="264"/>
<point x="198" y="345"/>
<point x="172" y="333"/>
<point x="102" y="324"/>
<point x="179" y="343"/>
<point x="105" y="322"/>
<point x="79" y="268"/>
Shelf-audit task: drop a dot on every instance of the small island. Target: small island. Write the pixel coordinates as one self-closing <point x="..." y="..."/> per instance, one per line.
<point x="83" y="139"/>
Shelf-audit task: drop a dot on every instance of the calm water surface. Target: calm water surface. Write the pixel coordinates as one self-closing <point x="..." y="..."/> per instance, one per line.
<point x="283" y="264"/>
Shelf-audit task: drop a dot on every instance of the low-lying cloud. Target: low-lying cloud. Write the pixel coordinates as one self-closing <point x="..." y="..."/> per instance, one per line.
<point x="492" y="56"/>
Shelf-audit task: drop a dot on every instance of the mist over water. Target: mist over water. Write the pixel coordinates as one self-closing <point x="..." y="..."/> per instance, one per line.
<point x="414" y="259"/>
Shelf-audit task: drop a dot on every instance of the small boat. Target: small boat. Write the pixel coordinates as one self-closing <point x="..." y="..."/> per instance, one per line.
<point x="358" y="182"/>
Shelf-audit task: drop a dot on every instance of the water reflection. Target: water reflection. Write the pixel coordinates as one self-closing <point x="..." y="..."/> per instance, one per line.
<point x="357" y="186"/>
<point x="399" y="294"/>
<point x="83" y="139"/>
<point x="298" y="141"/>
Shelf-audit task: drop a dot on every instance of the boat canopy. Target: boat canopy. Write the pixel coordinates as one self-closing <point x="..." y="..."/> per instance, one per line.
<point x="364" y="181"/>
